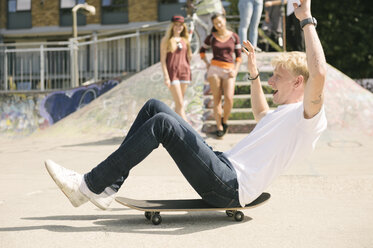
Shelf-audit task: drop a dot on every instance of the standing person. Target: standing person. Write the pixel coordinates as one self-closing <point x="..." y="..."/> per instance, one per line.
<point x="250" y="13"/>
<point x="175" y="60"/>
<point x="236" y="177"/>
<point x="205" y="9"/>
<point x="273" y="20"/>
<point x="294" y="33"/>
<point x="222" y="69"/>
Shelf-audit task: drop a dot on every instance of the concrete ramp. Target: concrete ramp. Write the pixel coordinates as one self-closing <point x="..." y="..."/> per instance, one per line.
<point x="112" y="113"/>
<point x="349" y="106"/>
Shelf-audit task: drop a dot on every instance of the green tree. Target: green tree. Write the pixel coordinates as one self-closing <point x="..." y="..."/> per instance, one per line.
<point x="346" y="32"/>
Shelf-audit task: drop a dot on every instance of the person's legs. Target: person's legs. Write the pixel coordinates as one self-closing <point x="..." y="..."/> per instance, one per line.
<point x="178" y="97"/>
<point x="228" y="87"/>
<point x="246" y="10"/>
<point x="290" y="42"/>
<point x="150" y="108"/>
<point x="215" y="86"/>
<point x="209" y="173"/>
<point x="184" y="87"/>
<point x="77" y="190"/>
<point x="257" y="7"/>
<point x="298" y="34"/>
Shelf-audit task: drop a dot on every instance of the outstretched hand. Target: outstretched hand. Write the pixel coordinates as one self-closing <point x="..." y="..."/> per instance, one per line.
<point x="303" y="10"/>
<point x="249" y="50"/>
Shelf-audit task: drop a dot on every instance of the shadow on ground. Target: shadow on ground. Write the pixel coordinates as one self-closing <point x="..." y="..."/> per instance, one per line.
<point x="172" y="224"/>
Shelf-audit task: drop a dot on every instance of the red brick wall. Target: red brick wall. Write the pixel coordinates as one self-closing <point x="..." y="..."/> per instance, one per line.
<point x="142" y="10"/>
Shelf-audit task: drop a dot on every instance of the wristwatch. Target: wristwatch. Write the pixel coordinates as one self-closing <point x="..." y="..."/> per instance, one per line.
<point x="311" y="20"/>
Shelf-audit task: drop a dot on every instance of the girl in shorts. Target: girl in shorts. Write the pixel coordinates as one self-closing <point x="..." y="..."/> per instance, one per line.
<point x="222" y="69"/>
<point x="175" y="60"/>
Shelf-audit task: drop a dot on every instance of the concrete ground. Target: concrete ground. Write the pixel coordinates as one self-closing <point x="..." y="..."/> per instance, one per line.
<point x="324" y="201"/>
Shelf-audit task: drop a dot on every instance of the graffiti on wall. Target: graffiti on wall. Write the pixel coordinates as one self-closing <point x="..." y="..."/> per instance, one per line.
<point x="60" y="104"/>
<point x="23" y="113"/>
<point x="20" y="113"/>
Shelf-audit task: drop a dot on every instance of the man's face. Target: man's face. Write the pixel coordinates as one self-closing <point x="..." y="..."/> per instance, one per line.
<point x="282" y="82"/>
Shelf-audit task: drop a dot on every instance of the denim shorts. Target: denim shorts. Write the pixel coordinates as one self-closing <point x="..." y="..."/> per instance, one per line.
<point x="218" y="71"/>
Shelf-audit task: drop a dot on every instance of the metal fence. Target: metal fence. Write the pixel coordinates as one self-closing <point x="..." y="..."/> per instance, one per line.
<point x="61" y="65"/>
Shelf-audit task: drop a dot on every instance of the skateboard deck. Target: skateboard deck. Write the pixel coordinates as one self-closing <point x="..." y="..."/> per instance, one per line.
<point x="152" y="208"/>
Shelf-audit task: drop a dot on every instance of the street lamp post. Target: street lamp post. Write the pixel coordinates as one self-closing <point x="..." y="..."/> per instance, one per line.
<point x="91" y="10"/>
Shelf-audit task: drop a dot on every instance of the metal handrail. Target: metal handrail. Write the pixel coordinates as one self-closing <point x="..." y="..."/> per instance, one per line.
<point x="35" y="66"/>
<point x="145" y="27"/>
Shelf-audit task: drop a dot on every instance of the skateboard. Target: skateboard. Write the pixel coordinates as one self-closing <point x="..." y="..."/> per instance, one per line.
<point x="152" y="208"/>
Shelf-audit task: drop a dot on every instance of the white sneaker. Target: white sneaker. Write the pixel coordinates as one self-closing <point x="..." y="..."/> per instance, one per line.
<point x="68" y="181"/>
<point x="102" y="200"/>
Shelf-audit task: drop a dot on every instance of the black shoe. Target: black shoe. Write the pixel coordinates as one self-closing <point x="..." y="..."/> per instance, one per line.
<point x="219" y="133"/>
<point x="225" y="126"/>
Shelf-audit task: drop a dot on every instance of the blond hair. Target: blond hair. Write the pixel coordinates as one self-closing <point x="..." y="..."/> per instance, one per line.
<point x="295" y="62"/>
<point x="171" y="44"/>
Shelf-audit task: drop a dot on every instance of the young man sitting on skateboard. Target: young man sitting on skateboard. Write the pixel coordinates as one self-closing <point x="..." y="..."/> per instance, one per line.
<point x="238" y="176"/>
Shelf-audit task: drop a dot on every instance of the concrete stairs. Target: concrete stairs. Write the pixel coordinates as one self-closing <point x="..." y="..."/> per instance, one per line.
<point x="241" y="119"/>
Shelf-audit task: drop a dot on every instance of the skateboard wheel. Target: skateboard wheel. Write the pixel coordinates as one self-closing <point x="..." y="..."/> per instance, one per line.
<point x="148" y="215"/>
<point x="156" y="219"/>
<point x="229" y="213"/>
<point x="238" y="216"/>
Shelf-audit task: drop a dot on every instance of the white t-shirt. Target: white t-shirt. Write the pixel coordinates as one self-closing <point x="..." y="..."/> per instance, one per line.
<point x="281" y="137"/>
<point x="290" y="7"/>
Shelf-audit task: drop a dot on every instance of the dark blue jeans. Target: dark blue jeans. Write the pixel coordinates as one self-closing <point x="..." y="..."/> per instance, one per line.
<point x="209" y="173"/>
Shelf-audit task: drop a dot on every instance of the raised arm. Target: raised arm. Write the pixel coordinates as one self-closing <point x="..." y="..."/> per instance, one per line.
<point x="259" y="103"/>
<point x="202" y="51"/>
<point x="313" y="93"/>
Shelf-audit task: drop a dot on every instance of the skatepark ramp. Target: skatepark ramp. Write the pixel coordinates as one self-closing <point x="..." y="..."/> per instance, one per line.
<point x="113" y="112"/>
<point x="349" y="107"/>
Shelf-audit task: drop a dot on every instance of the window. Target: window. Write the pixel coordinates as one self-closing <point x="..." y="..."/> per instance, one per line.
<point x="66" y="17"/>
<point x="114" y="11"/>
<point x="168" y="8"/>
<point x="19" y="14"/>
<point x="69" y="4"/>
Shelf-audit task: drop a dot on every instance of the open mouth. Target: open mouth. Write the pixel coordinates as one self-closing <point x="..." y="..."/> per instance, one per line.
<point x="274" y="92"/>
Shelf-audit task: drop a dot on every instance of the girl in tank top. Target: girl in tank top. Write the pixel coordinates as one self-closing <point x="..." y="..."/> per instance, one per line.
<point x="175" y="60"/>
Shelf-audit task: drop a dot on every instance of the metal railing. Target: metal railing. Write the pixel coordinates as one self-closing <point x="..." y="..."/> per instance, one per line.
<point x="49" y="66"/>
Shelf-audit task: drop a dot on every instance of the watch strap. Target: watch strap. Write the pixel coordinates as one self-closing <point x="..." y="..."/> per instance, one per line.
<point x="311" y="20"/>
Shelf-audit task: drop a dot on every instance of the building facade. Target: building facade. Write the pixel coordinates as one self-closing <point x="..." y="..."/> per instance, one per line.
<point x="51" y="20"/>
<point x="37" y="52"/>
